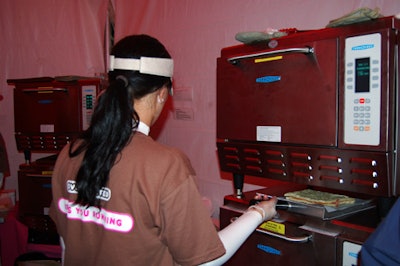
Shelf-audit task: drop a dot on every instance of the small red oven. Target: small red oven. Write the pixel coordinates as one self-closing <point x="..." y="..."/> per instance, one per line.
<point x="48" y="113"/>
<point x="317" y="109"/>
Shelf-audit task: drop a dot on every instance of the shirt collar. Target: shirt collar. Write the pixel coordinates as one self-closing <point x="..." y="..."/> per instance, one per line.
<point x="143" y="128"/>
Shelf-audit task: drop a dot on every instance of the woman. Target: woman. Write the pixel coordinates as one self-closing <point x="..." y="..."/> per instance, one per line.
<point x="119" y="197"/>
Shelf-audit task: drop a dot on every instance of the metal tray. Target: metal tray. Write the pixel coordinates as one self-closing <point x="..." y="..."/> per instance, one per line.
<point x="327" y="212"/>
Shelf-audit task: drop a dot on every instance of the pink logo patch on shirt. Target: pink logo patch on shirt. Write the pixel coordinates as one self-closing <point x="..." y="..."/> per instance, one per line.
<point x="113" y="221"/>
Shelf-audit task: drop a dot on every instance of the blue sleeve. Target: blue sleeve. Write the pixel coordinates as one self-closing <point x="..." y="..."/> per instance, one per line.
<point x="383" y="245"/>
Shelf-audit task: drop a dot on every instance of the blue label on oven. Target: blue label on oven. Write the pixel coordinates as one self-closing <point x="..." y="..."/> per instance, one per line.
<point x="268" y="79"/>
<point x="353" y="254"/>
<point x="45" y="101"/>
<point x="269" y="249"/>
<point x="362" y="47"/>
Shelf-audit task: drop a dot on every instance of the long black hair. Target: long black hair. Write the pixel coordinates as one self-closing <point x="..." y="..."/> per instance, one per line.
<point x="114" y="119"/>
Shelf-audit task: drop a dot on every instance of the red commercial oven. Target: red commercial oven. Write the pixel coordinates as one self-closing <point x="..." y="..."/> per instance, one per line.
<point x="318" y="109"/>
<point x="48" y="113"/>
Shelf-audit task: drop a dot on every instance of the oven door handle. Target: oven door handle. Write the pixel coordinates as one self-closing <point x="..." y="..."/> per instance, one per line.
<point x="305" y="50"/>
<point x="294" y="239"/>
<point x="45" y="89"/>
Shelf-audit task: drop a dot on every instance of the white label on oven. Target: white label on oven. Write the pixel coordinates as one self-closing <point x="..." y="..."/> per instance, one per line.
<point x="362" y="90"/>
<point x="46" y="128"/>
<point x="269" y="133"/>
<point x="350" y="253"/>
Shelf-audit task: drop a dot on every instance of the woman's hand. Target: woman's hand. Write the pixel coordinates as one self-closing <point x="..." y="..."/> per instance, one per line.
<point x="265" y="205"/>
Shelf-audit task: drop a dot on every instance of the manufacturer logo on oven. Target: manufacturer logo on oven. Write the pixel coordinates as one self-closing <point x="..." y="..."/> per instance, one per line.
<point x="362" y="47"/>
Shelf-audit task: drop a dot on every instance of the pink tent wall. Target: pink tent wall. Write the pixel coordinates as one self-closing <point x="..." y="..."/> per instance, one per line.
<point x="50" y="38"/>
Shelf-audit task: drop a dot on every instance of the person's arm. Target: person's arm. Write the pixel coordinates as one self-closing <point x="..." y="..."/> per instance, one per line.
<point x="62" y="244"/>
<point x="234" y="235"/>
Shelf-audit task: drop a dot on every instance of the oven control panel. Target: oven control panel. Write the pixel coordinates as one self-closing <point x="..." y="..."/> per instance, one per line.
<point x="89" y="93"/>
<point x="362" y="90"/>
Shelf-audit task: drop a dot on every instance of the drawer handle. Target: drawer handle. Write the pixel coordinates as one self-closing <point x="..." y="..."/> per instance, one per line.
<point x="295" y="239"/>
<point x="306" y="50"/>
<point x="45" y="90"/>
<point x="37" y="175"/>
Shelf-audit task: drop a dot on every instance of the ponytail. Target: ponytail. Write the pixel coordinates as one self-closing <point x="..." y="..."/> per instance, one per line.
<point x="110" y="131"/>
<point x="114" y="119"/>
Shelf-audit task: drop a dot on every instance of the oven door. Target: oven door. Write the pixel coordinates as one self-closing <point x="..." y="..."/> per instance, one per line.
<point x="286" y="95"/>
<point x="47" y="110"/>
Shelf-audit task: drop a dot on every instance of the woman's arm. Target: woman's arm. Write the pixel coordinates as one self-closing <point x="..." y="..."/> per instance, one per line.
<point x="234" y="235"/>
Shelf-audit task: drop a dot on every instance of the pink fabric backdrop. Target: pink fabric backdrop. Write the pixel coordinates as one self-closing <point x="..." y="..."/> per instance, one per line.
<point x="46" y="38"/>
<point x="66" y="37"/>
<point x="195" y="32"/>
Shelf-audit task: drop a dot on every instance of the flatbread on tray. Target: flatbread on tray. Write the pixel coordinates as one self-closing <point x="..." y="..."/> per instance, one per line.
<point x="310" y="196"/>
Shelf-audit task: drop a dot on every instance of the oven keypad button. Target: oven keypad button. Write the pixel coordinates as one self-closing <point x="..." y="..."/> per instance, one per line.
<point x="361" y="114"/>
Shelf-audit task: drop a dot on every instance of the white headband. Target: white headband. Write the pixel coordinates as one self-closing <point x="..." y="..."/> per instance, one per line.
<point x="145" y="65"/>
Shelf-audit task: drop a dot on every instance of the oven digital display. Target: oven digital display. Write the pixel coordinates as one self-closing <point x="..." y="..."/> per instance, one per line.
<point x="362" y="74"/>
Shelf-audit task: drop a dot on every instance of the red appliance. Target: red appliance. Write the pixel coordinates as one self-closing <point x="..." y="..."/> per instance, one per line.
<point x="318" y="108"/>
<point x="48" y="113"/>
<point x="314" y="109"/>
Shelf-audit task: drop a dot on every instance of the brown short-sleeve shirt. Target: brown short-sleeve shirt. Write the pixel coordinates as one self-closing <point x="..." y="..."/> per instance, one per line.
<point x="152" y="213"/>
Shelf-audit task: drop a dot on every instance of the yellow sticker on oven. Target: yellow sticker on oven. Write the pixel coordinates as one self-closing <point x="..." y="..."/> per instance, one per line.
<point x="273" y="227"/>
<point x="47" y="173"/>
<point x="267" y="59"/>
